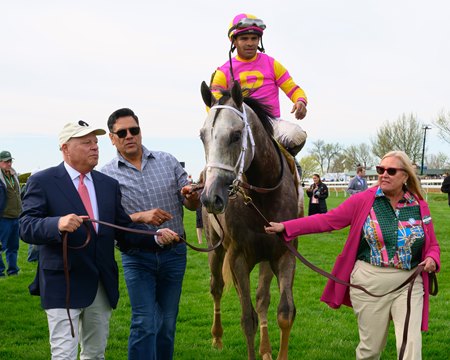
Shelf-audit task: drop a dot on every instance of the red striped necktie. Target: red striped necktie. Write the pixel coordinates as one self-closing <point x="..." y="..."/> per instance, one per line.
<point x="84" y="195"/>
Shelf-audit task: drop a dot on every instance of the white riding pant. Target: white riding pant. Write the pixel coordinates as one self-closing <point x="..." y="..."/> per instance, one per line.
<point x="288" y="133"/>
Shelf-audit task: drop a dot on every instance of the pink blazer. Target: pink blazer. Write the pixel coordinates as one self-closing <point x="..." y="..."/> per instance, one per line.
<point x="354" y="212"/>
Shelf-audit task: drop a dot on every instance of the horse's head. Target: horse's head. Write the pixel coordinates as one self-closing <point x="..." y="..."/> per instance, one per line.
<point x="227" y="142"/>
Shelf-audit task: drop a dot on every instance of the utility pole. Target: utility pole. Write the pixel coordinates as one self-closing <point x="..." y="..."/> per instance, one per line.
<point x="425" y="128"/>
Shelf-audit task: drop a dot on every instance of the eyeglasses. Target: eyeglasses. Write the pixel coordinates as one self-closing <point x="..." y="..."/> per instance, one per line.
<point x="391" y="171"/>
<point x="247" y="22"/>
<point x="122" y="133"/>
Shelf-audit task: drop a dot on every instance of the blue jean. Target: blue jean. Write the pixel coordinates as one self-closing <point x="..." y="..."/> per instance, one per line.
<point x="154" y="281"/>
<point x="9" y="243"/>
<point x="33" y="253"/>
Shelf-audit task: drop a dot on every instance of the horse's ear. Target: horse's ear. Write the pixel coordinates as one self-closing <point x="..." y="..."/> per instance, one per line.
<point x="236" y="94"/>
<point x="207" y="96"/>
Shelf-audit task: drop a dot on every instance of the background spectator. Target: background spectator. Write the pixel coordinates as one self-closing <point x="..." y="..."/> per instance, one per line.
<point x="445" y="188"/>
<point x="359" y="182"/>
<point x="317" y="194"/>
<point x="10" y="209"/>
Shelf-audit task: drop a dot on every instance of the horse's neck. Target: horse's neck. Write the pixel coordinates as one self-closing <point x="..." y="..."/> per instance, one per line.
<point x="265" y="167"/>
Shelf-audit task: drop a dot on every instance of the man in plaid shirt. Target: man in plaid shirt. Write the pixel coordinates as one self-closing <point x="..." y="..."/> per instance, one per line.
<point x="154" y="190"/>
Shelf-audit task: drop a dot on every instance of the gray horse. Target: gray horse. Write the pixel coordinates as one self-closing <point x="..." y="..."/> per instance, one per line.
<point x="240" y="150"/>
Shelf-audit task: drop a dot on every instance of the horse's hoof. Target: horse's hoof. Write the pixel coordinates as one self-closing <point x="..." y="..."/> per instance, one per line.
<point x="217" y="344"/>
<point x="267" y="356"/>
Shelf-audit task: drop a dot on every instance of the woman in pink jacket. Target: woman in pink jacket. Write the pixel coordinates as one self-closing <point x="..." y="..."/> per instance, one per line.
<point x="391" y="233"/>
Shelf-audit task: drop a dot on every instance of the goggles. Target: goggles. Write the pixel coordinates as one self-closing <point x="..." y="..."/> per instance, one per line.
<point x="391" y="171"/>
<point x="122" y="133"/>
<point x="247" y="22"/>
<point x="253" y="25"/>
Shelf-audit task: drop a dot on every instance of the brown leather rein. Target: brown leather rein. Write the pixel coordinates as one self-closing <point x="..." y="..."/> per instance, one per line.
<point x="433" y="284"/>
<point x="66" y="247"/>
<point x="263" y="190"/>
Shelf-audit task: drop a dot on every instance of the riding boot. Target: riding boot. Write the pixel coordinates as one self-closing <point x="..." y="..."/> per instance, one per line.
<point x="298" y="172"/>
<point x="300" y="192"/>
<point x="299" y="168"/>
<point x="294" y="150"/>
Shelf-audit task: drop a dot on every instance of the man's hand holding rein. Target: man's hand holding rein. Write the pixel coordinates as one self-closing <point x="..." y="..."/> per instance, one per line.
<point x="191" y="197"/>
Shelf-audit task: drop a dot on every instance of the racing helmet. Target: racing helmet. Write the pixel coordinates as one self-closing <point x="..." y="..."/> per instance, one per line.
<point x="245" y="24"/>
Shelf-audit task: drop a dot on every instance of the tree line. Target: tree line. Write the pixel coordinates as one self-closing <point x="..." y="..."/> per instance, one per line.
<point x="406" y="134"/>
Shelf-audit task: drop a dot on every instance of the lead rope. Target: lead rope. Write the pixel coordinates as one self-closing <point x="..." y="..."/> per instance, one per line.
<point x="410" y="280"/>
<point x="66" y="247"/>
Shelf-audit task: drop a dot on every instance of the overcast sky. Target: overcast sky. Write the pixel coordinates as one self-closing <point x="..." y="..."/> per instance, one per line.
<point x="361" y="63"/>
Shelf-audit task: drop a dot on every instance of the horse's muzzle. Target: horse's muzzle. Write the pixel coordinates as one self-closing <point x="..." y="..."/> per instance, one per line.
<point x="215" y="204"/>
<point x="215" y="195"/>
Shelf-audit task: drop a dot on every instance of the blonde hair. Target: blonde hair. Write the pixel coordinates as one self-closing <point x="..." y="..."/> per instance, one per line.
<point x="412" y="183"/>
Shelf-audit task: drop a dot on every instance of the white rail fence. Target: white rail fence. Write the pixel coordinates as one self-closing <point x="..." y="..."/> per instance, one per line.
<point x="428" y="185"/>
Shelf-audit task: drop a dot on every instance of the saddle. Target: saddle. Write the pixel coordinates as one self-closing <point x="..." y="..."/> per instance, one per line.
<point x="292" y="166"/>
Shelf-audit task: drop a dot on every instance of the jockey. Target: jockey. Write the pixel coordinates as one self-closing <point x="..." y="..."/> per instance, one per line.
<point x="260" y="76"/>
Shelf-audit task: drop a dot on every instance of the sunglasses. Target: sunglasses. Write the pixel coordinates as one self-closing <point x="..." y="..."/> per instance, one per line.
<point x="122" y="133"/>
<point x="391" y="171"/>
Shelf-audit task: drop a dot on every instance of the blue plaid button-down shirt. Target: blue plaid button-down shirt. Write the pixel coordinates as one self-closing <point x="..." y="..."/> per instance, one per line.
<point x="157" y="185"/>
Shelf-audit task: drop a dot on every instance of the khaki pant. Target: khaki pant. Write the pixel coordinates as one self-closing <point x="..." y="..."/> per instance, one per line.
<point x="374" y="314"/>
<point x="92" y="324"/>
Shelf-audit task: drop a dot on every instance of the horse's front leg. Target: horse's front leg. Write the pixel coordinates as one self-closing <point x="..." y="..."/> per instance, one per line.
<point x="286" y="308"/>
<point x="215" y="259"/>
<point x="249" y="319"/>
<point x="262" y="306"/>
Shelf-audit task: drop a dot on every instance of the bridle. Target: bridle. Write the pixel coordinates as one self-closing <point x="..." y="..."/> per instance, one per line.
<point x="240" y="167"/>
<point x="247" y="135"/>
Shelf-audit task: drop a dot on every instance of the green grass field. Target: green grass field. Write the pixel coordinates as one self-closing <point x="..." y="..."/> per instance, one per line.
<point x="318" y="333"/>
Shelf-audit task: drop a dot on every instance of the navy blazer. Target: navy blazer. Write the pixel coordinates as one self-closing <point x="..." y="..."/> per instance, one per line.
<point x="51" y="194"/>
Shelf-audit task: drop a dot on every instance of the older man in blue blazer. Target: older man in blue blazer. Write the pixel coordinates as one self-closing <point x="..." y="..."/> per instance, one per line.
<point x="55" y="203"/>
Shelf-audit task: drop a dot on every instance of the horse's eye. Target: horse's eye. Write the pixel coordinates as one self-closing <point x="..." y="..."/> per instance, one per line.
<point x="235" y="136"/>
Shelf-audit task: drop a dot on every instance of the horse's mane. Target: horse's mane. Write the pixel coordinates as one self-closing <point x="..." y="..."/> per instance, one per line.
<point x="261" y="110"/>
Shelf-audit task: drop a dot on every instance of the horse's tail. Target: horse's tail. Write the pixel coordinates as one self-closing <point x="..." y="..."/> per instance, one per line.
<point x="227" y="275"/>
